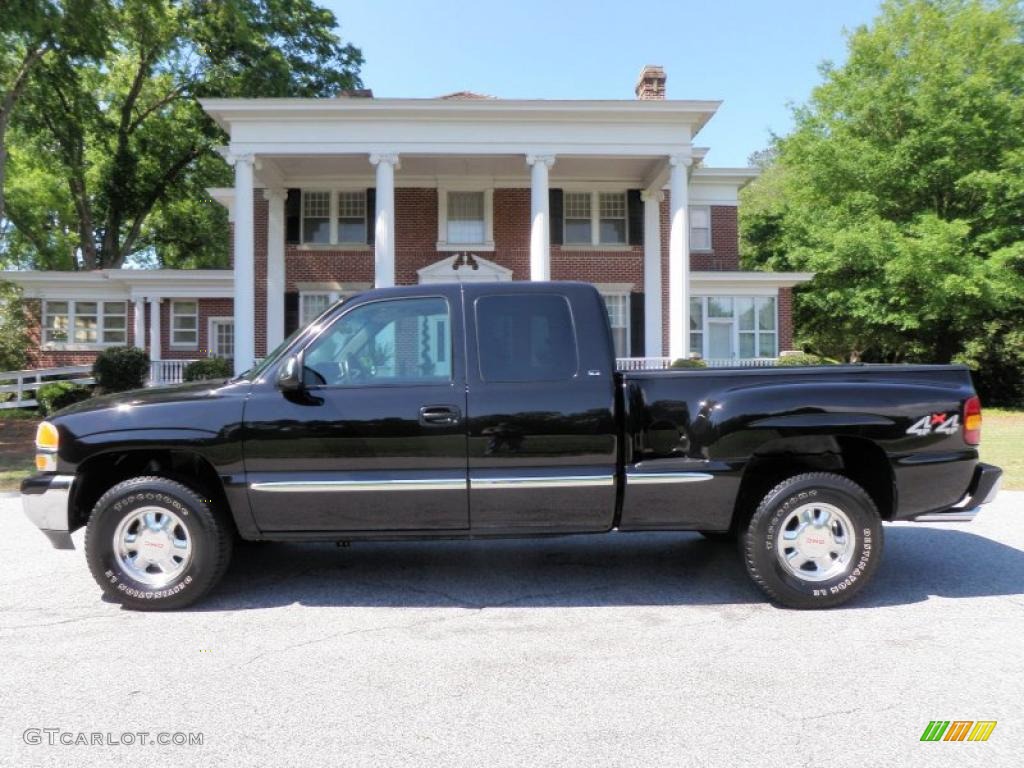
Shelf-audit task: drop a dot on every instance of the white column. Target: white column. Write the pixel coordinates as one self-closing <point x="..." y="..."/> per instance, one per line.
<point x="155" y="351"/>
<point x="275" y="266"/>
<point x="384" y="227"/>
<point x="245" y="288"/>
<point x="679" y="258"/>
<point x="653" y="344"/>
<point x="139" y="331"/>
<point x="540" y="217"/>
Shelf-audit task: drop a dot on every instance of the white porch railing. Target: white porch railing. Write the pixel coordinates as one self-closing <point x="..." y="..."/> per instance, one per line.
<point x="25" y="383"/>
<point x="663" y="363"/>
<point x="167" y="372"/>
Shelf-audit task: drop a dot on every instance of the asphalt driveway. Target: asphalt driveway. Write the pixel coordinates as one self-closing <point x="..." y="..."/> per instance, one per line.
<point x="615" y="650"/>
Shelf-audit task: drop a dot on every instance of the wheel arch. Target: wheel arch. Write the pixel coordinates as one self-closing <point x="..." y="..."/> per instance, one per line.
<point x="861" y="460"/>
<point x="101" y="472"/>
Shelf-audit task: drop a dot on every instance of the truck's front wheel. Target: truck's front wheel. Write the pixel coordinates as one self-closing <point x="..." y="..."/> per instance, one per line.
<point x="155" y="544"/>
<point x="814" y="541"/>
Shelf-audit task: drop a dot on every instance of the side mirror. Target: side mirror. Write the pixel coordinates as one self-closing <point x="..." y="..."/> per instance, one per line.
<point x="289" y="375"/>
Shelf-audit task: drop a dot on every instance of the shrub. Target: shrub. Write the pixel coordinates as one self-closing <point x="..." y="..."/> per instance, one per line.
<point x="60" y="394"/>
<point x="693" y="362"/>
<point x="119" y="369"/>
<point x="208" y="368"/>
<point x="804" y="358"/>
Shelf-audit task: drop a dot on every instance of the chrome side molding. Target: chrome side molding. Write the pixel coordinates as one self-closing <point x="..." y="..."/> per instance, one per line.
<point x="562" y="481"/>
<point x="664" y="478"/>
<point x="326" y="486"/>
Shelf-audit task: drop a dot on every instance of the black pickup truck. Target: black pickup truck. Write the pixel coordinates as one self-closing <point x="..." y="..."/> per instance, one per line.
<point x="479" y="410"/>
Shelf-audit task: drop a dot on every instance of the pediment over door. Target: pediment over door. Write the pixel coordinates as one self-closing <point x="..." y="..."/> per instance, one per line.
<point x="444" y="271"/>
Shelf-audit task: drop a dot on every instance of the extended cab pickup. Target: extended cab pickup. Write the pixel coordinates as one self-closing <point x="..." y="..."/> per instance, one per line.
<point x="487" y="409"/>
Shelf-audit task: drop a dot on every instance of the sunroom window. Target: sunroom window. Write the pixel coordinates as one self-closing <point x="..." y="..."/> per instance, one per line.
<point x="87" y="323"/>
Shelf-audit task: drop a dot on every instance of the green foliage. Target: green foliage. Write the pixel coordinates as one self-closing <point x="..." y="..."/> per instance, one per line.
<point x="803" y="359"/>
<point x="60" y="394"/>
<point x="902" y="188"/>
<point x="110" y="152"/>
<point x="693" y="362"/>
<point x="14" y="339"/>
<point x="207" y="368"/>
<point x="119" y="369"/>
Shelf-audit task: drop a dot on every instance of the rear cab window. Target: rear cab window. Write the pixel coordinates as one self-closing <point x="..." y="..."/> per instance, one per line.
<point x="526" y="338"/>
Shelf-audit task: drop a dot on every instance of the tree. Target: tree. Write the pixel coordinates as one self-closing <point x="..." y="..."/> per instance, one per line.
<point x="902" y="187"/>
<point x="110" y="154"/>
<point x="14" y="338"/>
<point x="29" y="31"/>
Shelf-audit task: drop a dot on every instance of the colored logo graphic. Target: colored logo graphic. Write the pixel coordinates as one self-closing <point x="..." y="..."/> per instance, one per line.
<point x="958" y="730"/>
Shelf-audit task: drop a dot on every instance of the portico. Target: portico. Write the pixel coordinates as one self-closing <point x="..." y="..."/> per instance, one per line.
<point x="384" y="144"/>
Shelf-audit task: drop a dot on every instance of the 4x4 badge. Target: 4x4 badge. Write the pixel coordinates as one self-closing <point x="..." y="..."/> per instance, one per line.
<point x="935" y="423"/>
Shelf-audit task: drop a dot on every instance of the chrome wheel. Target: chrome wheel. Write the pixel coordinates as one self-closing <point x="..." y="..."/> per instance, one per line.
<point x="153" y="546"/>
<point x="816" y="542"/>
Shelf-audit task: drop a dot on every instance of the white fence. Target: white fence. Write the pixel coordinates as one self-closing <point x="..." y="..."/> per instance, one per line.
<point x="167" y="372"/>
<point x="23" y="384"/>
<point x="663" y="363"/>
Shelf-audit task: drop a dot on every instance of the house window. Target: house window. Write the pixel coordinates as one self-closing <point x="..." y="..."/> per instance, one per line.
<point x="594" y="218"/>
<point x="115" y="322"/>
<point x="613" y="217"/>
<point x="316" y="217"/>
<point x="617" y="306"/>
<point x="734" y="327"/>
<point x="700" y="228"/>
<point x="466" y="217"/>
<point x="312" y="304"/>
<point x="86" y="323"/>
<point x="185" y="324"/>
<point x="576" y="218"/>
<point x="352" y="217"/>
<point x="222" y="337"/>
<point x="56" y="316"/>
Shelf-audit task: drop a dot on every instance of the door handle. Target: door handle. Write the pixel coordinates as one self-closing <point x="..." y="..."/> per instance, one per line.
<point x="439" y="415"/>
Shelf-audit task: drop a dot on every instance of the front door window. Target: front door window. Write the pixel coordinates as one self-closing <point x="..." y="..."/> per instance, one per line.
<point x="402" y="341"/>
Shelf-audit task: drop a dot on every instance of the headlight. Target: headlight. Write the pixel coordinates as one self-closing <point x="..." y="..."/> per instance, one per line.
<point x="47" y="441"/>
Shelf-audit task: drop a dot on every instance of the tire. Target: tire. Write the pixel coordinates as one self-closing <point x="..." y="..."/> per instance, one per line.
<point x="814" y="541"/>
<point x="154" y="544"/>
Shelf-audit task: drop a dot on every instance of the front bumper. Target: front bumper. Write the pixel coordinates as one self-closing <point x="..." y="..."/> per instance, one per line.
<point x="46" y="500"/>
<point x="983" y="488"/>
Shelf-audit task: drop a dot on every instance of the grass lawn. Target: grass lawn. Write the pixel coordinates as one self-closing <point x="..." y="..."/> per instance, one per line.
<point x="1002" y="444"/>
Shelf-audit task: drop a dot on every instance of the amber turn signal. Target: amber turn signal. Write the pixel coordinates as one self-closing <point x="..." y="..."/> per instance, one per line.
<point x="47" y="438"/>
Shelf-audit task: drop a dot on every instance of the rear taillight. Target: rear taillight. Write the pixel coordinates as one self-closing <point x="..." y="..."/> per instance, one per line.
<point x="972" y="421"/>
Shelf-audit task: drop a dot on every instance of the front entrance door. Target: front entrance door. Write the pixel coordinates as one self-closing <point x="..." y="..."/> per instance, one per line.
<point x="222" y="337"/>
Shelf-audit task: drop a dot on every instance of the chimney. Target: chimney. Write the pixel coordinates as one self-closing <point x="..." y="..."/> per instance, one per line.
<point x="651" y="84"/>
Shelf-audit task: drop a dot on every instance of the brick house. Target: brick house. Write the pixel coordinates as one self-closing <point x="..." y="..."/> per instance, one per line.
<point x="333" y="196"/>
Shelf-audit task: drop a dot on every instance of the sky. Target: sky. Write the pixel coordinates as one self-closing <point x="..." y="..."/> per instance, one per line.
<point x="756" y="56"/>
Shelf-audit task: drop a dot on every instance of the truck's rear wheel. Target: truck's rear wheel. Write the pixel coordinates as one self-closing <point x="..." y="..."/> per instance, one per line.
<point x="814" y="541"/>
<point x="154" y="544"/>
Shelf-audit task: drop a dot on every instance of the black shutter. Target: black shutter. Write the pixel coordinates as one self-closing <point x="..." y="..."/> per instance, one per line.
<point x="635" y="213"/>
<point x="371" y="214"/>
<point x="291" y="313"/>
<point x="555" y="215"/>
<point x="293" y="216"/>
<point x="636" y="324"/>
